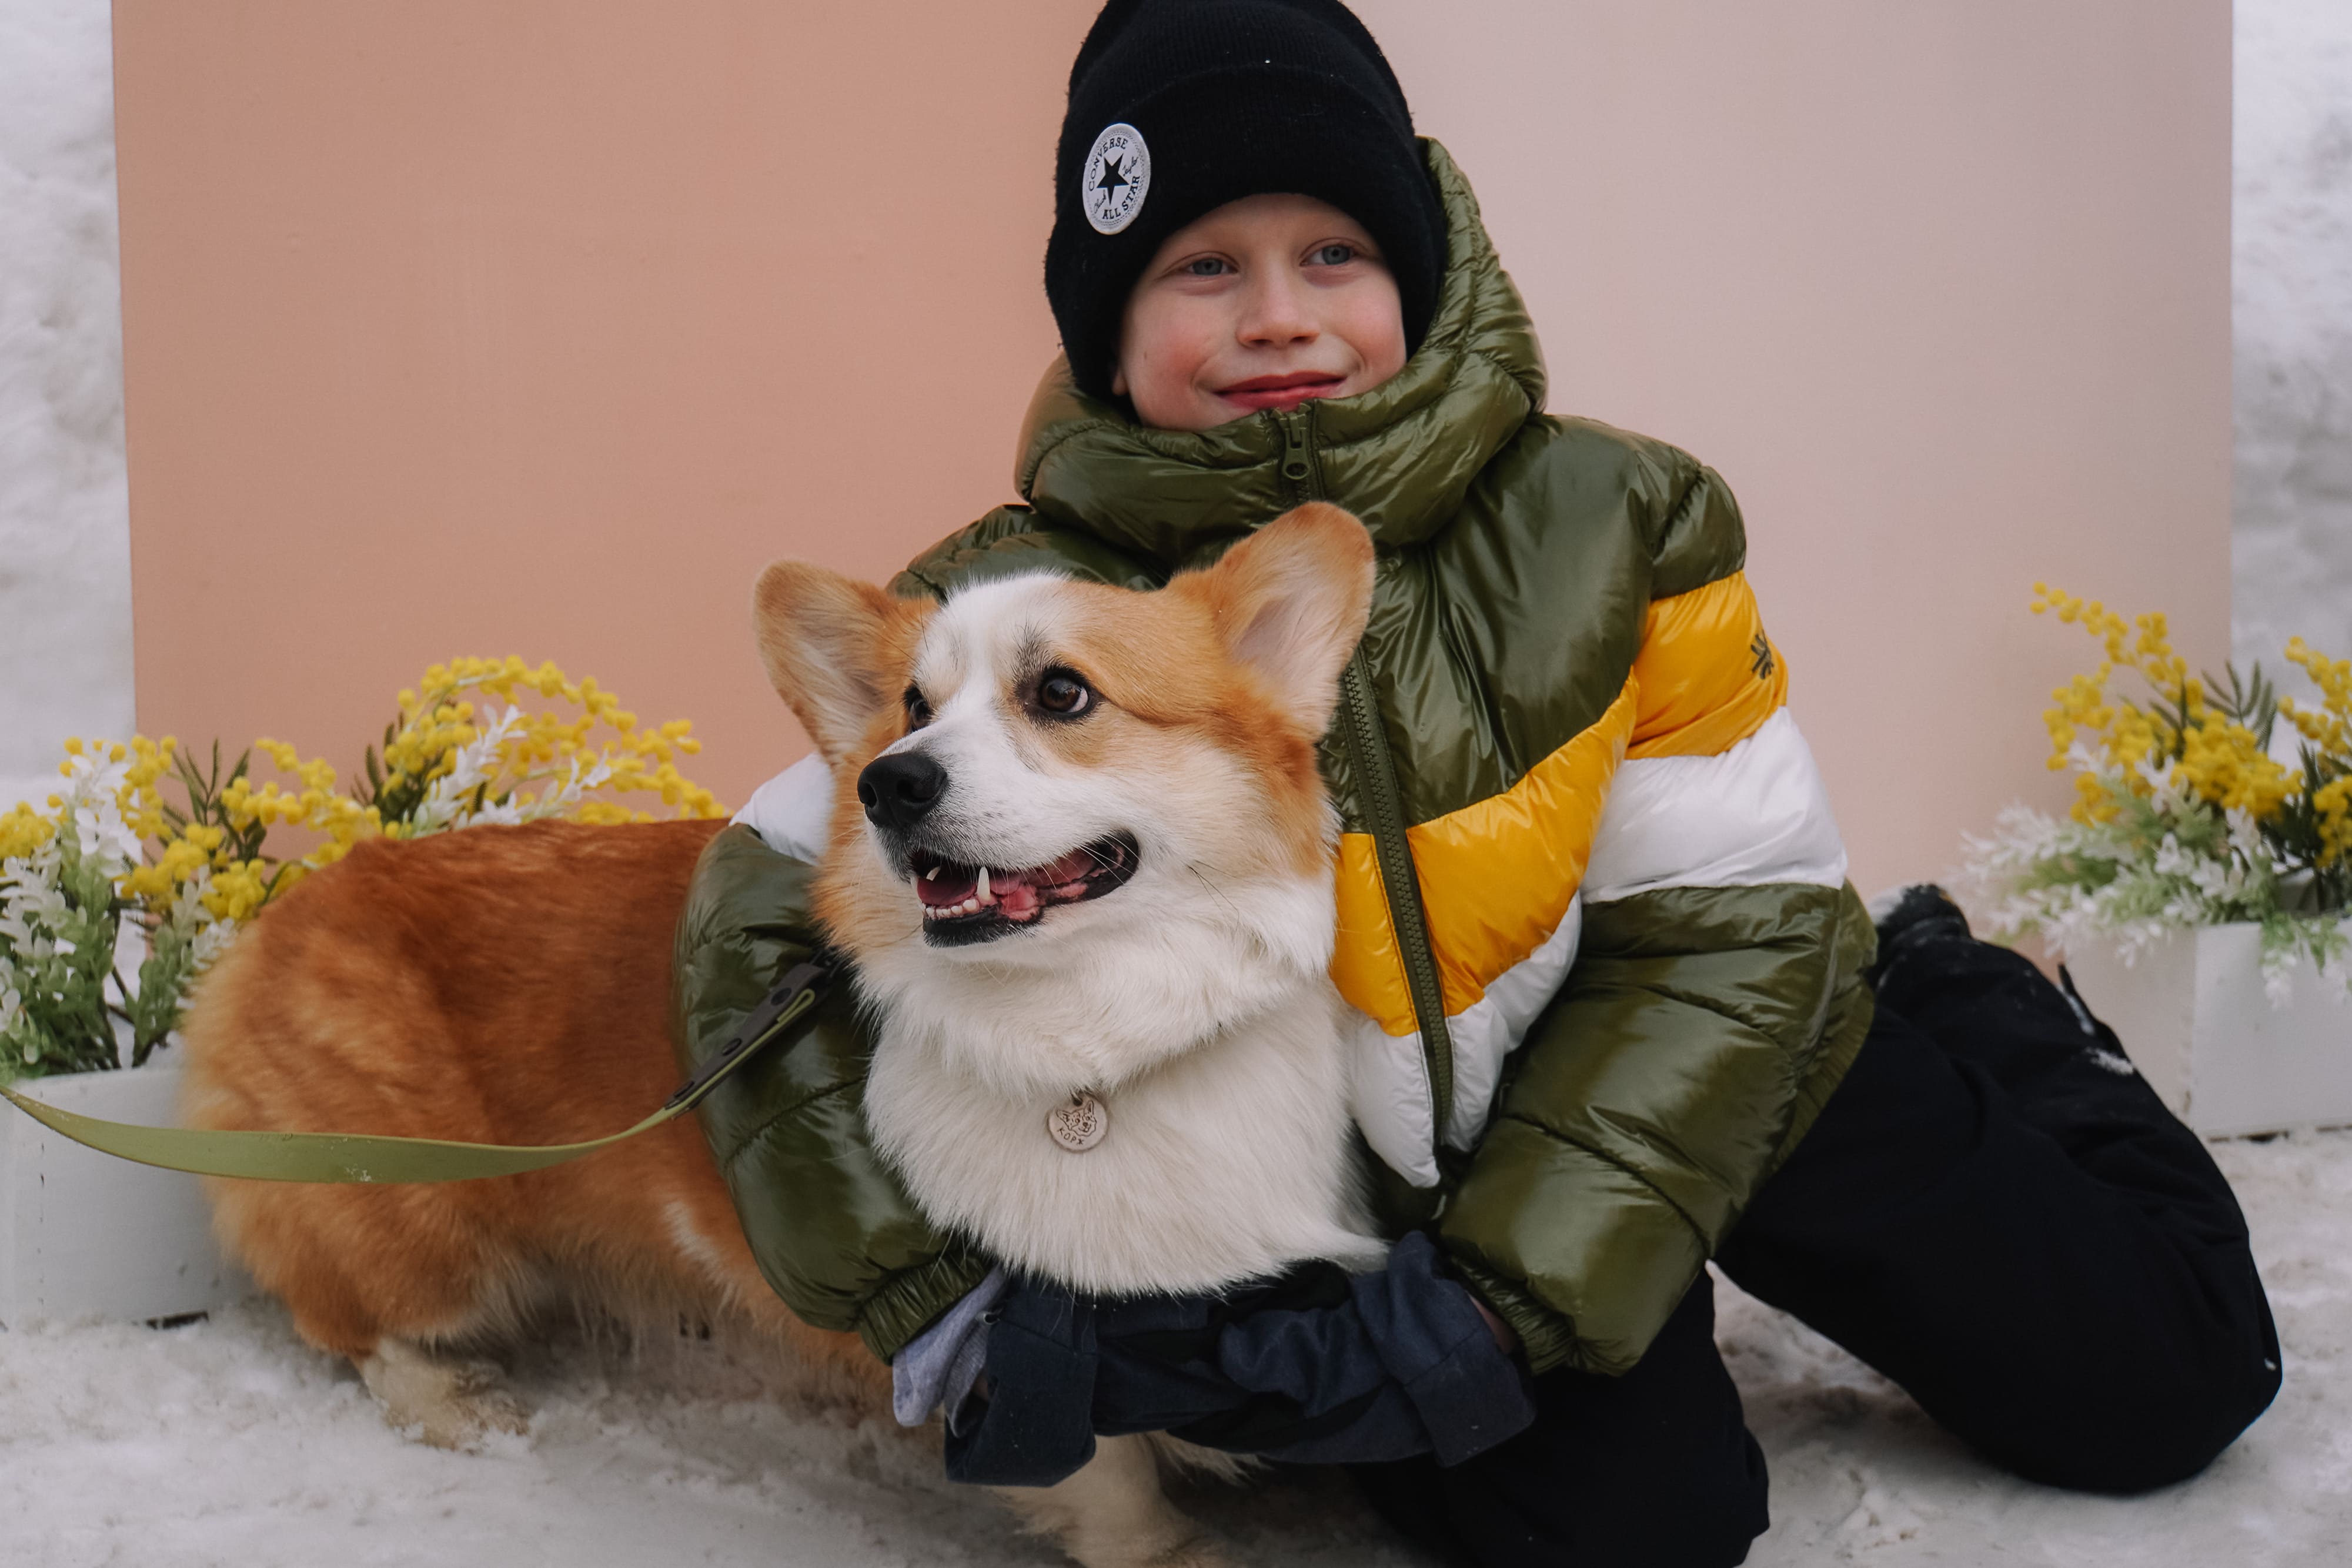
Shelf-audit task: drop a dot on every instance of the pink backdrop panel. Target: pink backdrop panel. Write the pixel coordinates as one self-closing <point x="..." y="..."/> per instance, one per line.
<point x="1944" y="292"/>
<point x="539" y="327"/>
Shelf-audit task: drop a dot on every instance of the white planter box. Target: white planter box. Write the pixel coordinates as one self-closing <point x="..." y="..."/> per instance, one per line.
<point x="84" y="1234"/>
<point x="2195" y="1019"/>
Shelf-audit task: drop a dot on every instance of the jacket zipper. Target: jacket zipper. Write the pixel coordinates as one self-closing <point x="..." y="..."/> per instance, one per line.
<point x="1383" y="802"/>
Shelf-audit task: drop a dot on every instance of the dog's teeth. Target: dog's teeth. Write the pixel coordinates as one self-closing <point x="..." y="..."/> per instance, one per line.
<point x="932" y="874"/>
<point x="980" y="891"/>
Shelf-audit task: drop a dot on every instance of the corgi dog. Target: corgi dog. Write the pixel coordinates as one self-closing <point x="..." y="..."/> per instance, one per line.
<point x="1080" y="859"/>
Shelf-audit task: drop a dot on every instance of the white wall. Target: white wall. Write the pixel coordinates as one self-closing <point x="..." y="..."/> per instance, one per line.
<point x="65" y="532"/>
<point x="2292" y="280"/>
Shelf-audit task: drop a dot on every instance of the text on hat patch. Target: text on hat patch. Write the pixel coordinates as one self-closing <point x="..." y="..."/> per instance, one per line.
<point x="1117" y="177"/>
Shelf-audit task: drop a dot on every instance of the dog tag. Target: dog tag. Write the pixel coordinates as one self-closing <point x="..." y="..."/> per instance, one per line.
<point x="1080" y="1124"/>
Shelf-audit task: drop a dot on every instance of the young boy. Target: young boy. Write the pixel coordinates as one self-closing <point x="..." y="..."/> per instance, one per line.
<point x="1596" y="1049"/>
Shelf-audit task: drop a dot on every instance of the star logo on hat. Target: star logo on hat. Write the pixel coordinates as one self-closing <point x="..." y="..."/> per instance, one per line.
<point x="1117" y="177"/>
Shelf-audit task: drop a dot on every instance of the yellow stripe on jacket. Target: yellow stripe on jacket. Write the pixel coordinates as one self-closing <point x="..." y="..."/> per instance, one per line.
<point x="1707" y="674"/>
<point x="1497" y="875"/>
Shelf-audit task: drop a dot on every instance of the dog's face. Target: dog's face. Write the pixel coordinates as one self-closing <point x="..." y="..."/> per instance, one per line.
<point x="1039" y="766"/>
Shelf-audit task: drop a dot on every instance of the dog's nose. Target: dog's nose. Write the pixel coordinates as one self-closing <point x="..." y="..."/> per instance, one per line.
<point x="896" y="791"/>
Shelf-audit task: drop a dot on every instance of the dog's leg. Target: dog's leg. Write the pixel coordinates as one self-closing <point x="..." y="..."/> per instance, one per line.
<point x="454" y="1403"/>
<point x="1113" y="1514"/>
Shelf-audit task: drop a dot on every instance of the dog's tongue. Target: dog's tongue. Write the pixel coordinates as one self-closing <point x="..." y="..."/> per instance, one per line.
<point x="1018" y="893"/>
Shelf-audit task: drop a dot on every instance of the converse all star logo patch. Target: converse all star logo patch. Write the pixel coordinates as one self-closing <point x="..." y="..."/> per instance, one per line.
<point x="1117" y="178"/>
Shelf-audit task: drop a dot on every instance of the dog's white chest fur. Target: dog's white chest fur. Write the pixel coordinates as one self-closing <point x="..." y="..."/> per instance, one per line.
<point x="1222" y="1160"/>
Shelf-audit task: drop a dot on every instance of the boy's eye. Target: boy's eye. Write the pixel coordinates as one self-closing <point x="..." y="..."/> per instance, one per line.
<point x="1333" y="255"/>
<point x="1064" y="692"/>
<point x="918" y="712"/>
<point x="1207" y="266"/>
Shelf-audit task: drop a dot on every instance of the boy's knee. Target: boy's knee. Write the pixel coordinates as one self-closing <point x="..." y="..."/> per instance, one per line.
<point x="2155" y="1434"/>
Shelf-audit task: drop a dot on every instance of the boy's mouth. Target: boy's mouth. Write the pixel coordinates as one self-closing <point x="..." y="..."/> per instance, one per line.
<point x="1285" y="391"/>
<point x="963" y="903"/>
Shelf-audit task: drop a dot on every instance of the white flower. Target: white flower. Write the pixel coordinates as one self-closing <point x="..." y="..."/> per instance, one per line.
<point x="447" y="803"/>
<point x="2162" y="861"/>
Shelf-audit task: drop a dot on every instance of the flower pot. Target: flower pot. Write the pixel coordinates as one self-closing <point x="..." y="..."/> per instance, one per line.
<point x="84" y="1234"/>
<point x="2195" y="1020"/>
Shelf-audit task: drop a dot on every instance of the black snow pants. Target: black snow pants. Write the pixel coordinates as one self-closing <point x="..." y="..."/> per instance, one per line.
<point x="1992" y="1212"/>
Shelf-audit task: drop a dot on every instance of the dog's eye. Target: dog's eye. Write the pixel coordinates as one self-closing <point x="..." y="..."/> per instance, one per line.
<point x="1064" y="692"/>
<point x="918" y="712"/>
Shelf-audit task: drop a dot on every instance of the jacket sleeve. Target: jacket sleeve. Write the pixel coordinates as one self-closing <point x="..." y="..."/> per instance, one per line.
<point x="1715" y="1001"/>
<point x="833" y="1230"/>
<point x="1697" y="1036"/>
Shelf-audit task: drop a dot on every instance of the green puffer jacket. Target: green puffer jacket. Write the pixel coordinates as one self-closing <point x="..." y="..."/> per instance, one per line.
<point x="1593" y="905"/>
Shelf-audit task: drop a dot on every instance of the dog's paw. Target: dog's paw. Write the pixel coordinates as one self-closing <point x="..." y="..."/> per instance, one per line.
<point x="445" y="1403"/>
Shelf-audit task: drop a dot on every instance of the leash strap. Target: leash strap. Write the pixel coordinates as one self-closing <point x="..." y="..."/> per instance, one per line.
<point x="352" y="1157"/>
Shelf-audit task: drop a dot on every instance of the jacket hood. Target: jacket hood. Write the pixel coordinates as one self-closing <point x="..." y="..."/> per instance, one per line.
<point x="1399" y="456"/>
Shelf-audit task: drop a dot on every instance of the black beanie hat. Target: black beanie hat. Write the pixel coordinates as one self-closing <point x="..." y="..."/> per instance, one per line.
<point x="1178" y="107"/>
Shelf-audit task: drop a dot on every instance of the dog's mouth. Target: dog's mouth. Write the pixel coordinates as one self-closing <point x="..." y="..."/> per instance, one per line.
<point x="975" y="904"/>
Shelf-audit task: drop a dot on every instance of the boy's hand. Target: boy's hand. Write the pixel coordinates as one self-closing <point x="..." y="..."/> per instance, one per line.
<point x="1505" y="1339"/>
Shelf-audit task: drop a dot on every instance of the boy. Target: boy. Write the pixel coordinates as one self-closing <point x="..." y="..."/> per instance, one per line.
<point x="1594" y="1051"/>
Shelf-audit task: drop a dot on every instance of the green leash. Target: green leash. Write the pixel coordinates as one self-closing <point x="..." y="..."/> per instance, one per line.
<point x="352" y="1157"/>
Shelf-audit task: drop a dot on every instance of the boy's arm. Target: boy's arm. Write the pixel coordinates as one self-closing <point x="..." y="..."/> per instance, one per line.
<point x="1715" y="1001"/>
<point x="1686" y="1055"/>
<point x="831" y="1228"/>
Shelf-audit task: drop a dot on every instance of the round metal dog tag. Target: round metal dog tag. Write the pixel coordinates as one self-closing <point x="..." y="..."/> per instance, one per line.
<point x="1080" y="1124"/>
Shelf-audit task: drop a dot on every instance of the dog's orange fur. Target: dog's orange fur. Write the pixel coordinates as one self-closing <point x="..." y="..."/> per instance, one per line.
<point x="501" y="985"/>
<point x="1166" y="663"/>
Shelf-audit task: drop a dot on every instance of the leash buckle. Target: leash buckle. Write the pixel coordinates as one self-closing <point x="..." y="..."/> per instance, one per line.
<point x="756" y="1028"/>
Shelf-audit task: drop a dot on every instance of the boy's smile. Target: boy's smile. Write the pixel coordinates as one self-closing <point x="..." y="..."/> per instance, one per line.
<point x="1282" y="392"/>
<point x="1264" y="303"/>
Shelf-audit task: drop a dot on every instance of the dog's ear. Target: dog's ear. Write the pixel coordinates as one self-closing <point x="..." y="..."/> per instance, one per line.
<point x="1290" y="602"/>
<point x="837" y="650"/>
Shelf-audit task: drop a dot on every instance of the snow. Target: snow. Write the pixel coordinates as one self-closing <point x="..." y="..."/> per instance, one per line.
<point x="2291" y="542"/>
<point x="65" y="523"/>
<point x="226" y="1441"/>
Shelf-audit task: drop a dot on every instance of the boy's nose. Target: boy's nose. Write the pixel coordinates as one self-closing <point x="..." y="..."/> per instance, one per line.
<point x="1277" y="316"/>
<point x="897" y="791"/>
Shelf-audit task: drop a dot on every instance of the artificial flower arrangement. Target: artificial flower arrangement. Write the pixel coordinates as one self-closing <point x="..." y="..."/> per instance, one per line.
<point x="113" y="851"/>
<point x="2182" y="817"/>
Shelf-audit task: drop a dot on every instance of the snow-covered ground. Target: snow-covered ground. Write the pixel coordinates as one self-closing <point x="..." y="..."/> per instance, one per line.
<point x="228" y="1442"/>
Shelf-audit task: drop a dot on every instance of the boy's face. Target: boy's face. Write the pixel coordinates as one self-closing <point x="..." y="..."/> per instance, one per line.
<point x="1264" y="303"/>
